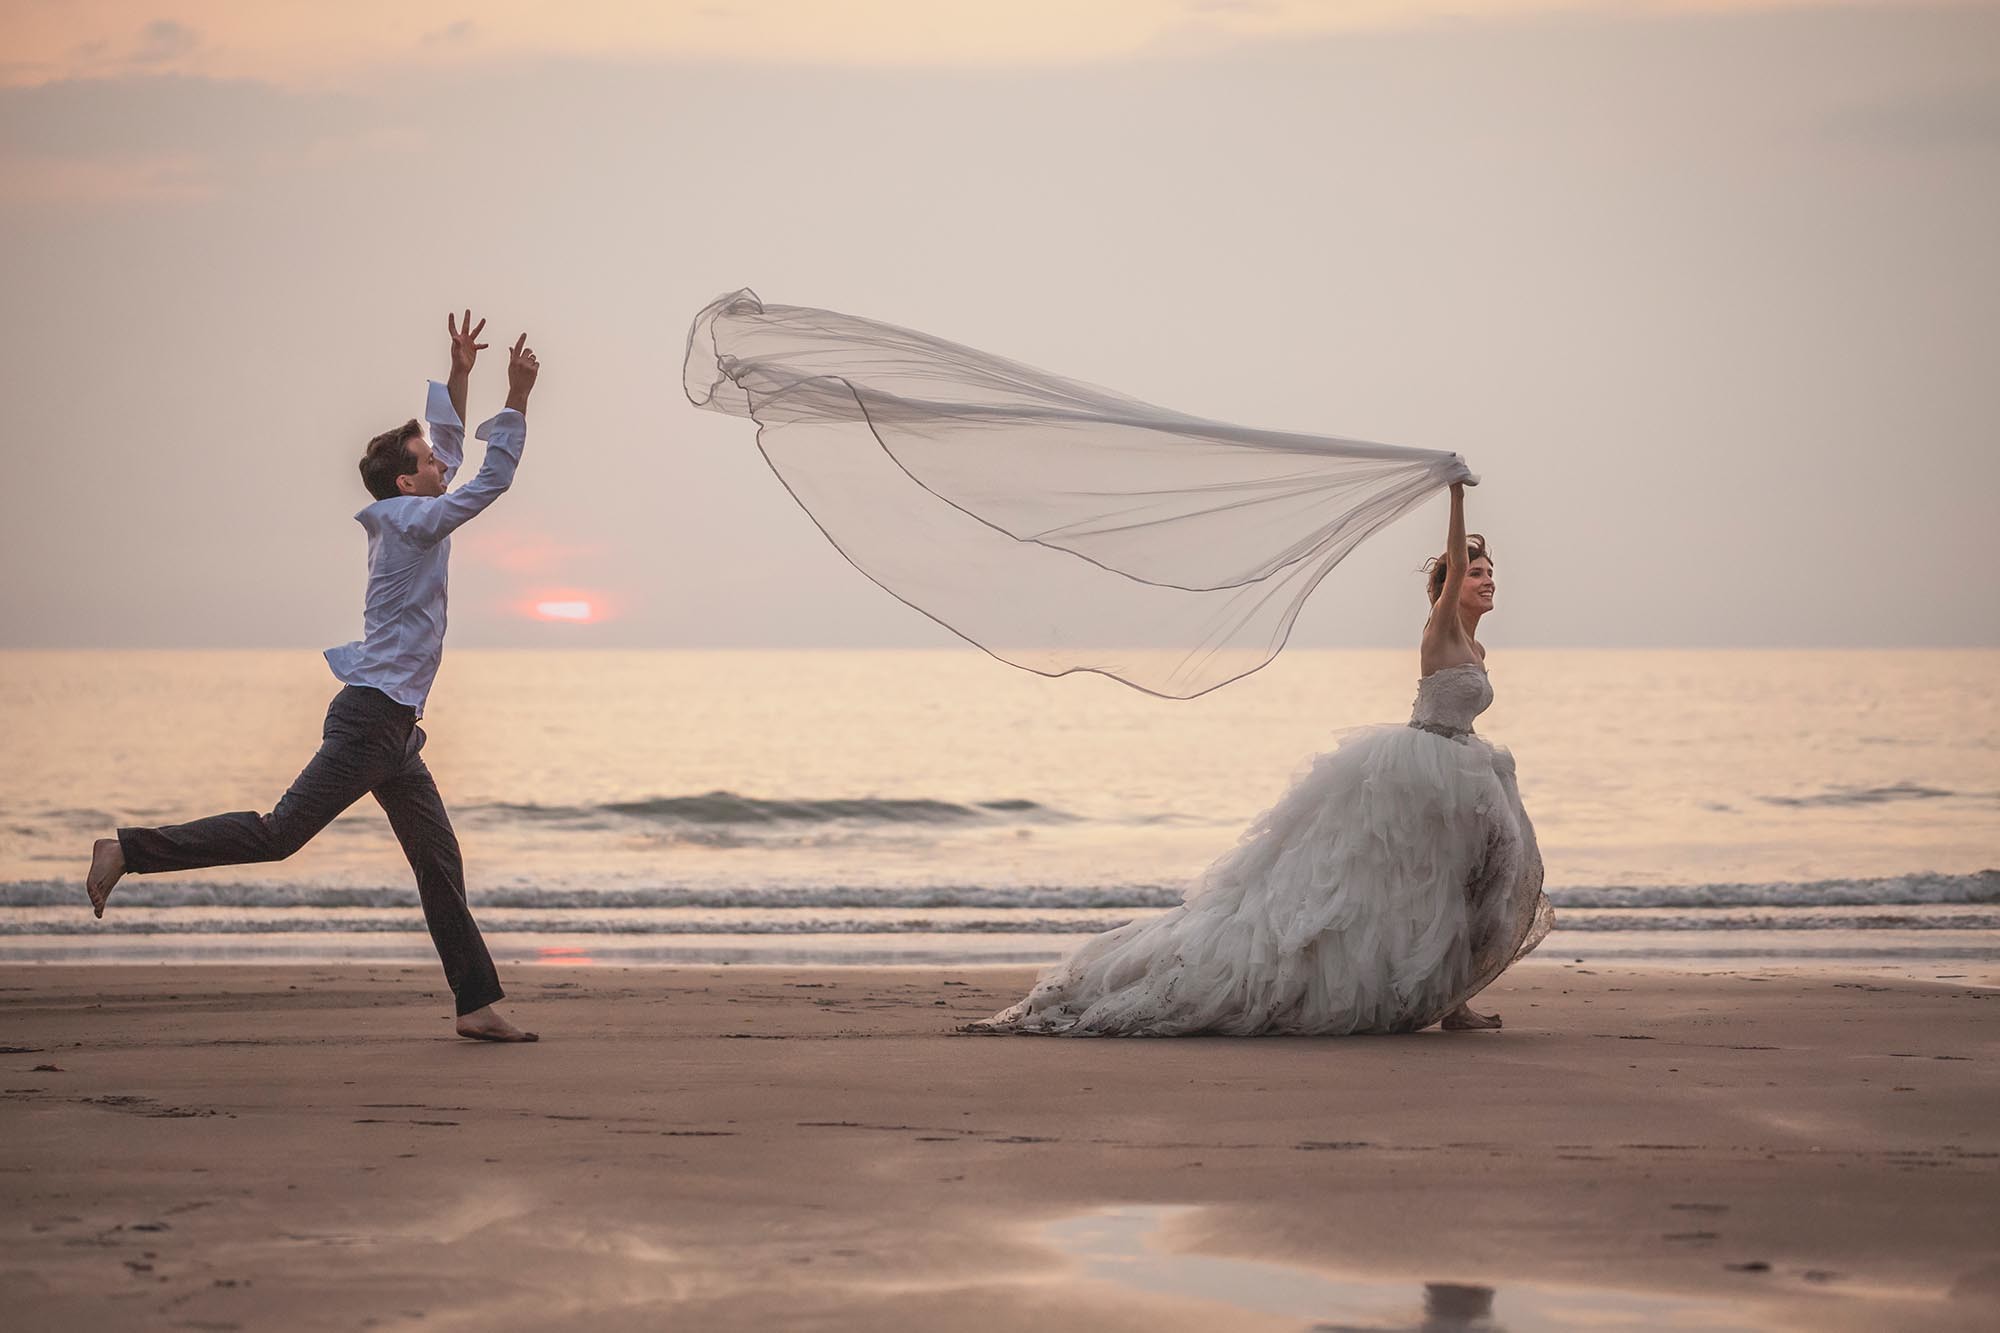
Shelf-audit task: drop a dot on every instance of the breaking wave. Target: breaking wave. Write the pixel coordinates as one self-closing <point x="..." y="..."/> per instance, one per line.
<point x="1978" y="889"/>
<point x="729" y="809"/>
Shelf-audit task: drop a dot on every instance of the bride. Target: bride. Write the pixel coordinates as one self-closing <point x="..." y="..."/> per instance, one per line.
<point x="1063" y="527"/>
<point x="1389" y="886"/>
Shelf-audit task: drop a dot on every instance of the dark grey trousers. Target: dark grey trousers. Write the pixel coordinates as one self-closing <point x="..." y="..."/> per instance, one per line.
<point x="371" y="746"/>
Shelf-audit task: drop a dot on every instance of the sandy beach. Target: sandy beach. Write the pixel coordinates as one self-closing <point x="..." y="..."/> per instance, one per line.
<point x="222" y="1147"/>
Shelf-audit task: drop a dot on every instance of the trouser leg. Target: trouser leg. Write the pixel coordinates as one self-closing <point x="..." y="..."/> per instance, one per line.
<point x="361" y="743"/>
<point x="417" y="813"/>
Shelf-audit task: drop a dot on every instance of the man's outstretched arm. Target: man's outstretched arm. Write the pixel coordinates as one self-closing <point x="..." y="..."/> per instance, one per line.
<point x="505" y="435"/>
<point x="444" y="406"/>
<point x="465" y="349"/>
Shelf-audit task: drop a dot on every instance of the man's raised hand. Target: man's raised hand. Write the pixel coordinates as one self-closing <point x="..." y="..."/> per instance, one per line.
<point x="465" y="346"/>
<point x="522" y="367"/>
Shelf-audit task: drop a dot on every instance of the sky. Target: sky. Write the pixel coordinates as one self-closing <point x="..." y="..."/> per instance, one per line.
<point x="1706" y="292"/>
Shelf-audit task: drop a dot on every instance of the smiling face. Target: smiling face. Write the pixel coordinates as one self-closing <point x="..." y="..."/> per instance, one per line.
<point x="1475" y="595"/>
<point x="428" y="478"/>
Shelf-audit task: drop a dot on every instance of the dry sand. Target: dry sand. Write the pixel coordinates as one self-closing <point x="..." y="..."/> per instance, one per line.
<point x="309" y="1147"/>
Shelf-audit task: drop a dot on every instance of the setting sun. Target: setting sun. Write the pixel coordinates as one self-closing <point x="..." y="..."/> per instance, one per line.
<point x="579" y="611"/>
<point x="565" y="605"/>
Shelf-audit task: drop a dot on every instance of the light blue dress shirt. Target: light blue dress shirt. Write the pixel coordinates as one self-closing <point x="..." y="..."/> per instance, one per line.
<point x="409" y="557"/>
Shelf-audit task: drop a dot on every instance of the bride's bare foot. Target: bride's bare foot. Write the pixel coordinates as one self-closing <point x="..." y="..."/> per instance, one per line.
<point x="485" y="1025"/>
<point x="1462" y="1019"/>
<point x="107" y="866"/>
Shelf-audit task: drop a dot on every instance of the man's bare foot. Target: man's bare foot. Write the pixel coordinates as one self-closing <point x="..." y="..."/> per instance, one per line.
<point x="1462" y="1019"/>
<point x="485" y="1025"/>
<point x="107" y="865"/>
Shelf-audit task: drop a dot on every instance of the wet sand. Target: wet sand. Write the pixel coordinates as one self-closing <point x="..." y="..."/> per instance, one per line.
<point x="716" y="1148"/>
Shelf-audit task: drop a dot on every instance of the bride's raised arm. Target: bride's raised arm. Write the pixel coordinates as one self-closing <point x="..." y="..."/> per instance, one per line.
<point x="1444" y="632"/>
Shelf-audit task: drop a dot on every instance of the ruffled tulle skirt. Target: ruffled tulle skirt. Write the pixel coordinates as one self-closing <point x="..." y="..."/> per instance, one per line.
<point x="1393" y="881"/>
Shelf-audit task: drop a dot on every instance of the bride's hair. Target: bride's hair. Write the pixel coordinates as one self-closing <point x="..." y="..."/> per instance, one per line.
<point x="1475" y="548"/>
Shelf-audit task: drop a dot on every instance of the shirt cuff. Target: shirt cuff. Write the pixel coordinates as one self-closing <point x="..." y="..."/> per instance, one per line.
<point x="506" y="425"/>
<point x="438" y="409"/>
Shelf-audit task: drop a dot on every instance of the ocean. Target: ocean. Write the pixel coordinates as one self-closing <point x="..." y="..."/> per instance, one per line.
<point x="888" y="807"/>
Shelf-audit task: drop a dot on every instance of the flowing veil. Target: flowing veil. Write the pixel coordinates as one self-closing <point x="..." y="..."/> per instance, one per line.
<point x="1059" y="526"/>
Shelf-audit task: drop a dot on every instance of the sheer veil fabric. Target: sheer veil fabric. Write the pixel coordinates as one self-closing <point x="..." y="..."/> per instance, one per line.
<point x="1059" y="526"/>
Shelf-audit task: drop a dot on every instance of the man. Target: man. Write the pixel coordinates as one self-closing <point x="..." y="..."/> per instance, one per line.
<point x="371" y="743"/>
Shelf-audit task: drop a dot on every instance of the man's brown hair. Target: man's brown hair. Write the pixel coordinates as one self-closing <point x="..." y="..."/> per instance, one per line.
<point x="389" y="456"/>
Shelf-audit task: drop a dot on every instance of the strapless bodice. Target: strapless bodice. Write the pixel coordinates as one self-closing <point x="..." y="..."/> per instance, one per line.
<point x="1450" y="698"/>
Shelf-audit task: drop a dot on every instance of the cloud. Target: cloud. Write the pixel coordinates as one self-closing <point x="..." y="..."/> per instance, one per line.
<point x="158" y="45"/>
<point x="451" y="34"/>
<point x="171" y="138"/>
<point x="331" y="44"/>
<point x="1967" y="116"/>
<point x="164" y="40"/>
<point x="175" y="178"/>
<point x="103" y="117"/>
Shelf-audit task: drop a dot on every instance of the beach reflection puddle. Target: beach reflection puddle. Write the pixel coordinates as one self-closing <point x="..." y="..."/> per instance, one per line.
<point x="1125" y="1246"/>
<point x="564" y="957"/>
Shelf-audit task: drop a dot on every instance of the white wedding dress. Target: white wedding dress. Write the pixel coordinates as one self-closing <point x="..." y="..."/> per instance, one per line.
<point x="1394" y="881"/>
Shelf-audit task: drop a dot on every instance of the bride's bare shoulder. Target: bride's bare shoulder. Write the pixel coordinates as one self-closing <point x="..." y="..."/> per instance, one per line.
<point x="1442" y="651"/>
